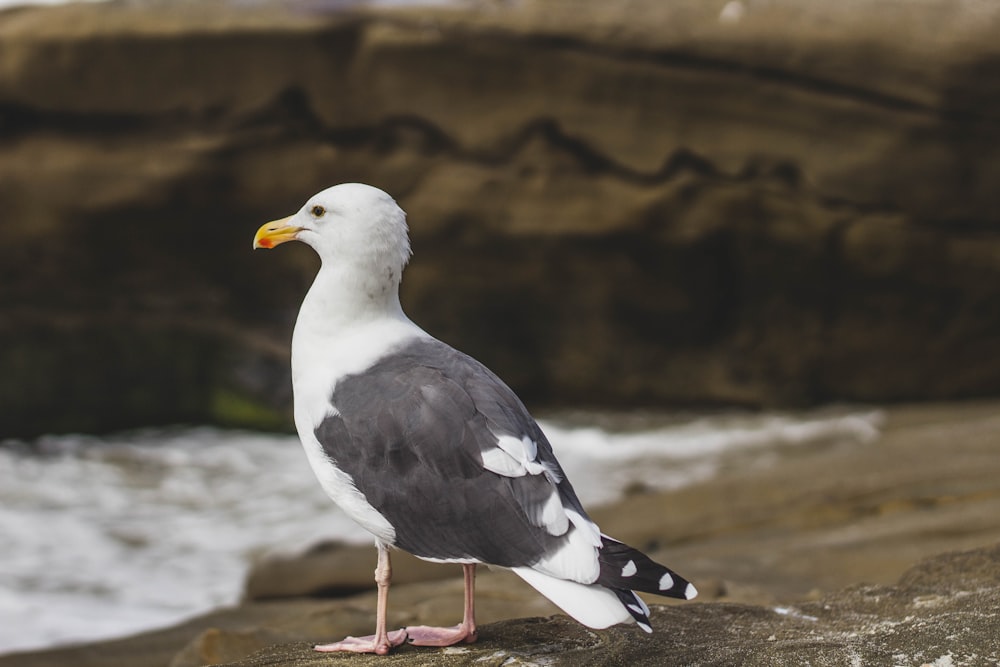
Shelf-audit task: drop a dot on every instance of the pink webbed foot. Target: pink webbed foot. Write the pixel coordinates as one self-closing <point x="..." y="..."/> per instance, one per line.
<point x="369" y="644"/>
<point x="423" y="635"/>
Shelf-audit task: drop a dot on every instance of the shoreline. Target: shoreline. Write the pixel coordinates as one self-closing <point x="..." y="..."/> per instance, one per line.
<point x="808" y="524"/>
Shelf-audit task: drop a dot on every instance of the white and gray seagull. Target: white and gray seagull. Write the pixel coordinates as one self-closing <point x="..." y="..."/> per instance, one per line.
<point x="425" y="447"/>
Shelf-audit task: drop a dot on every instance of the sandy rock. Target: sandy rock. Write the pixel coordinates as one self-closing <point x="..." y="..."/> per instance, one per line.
<point x="214" y="646"/>
<point x="943" y="609"/>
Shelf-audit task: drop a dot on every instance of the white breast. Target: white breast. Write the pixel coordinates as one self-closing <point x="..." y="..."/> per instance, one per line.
<point x="320" y="360"/>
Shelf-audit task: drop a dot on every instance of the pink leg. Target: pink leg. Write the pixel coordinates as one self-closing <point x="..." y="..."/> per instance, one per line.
<point x="422" y="635"/>
<point x="381" y="642"/>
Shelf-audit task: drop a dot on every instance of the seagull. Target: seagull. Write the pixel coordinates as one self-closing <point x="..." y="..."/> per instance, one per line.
<point x="428" y="449"/>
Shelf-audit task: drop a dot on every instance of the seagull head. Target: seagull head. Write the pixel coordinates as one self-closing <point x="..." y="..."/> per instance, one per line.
<point x="350" y="225"/>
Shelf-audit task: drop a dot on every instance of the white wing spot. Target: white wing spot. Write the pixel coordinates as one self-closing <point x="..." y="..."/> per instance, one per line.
<point x="690" y="592"/>
<point x="498" y="461"/>
<point x="631" y="569"/>
<point x="666" y="582"/>
<point x="636" y="608"/>
<point x="516" y="457"/>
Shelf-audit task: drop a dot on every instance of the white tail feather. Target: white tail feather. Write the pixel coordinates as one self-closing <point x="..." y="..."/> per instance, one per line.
<point x="591" y="604"/>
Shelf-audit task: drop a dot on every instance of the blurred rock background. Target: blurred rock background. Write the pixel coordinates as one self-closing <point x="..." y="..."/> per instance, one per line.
<point x="635" y="203"/>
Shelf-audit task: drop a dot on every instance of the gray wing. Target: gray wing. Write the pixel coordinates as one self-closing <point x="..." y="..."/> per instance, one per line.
<point x="449" y="455"/>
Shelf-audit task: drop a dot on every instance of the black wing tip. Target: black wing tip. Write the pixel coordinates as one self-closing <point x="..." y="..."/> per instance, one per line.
<point x="681" y="590"/>
<point x="636" y="608"/>
<point x="626" y="568"/>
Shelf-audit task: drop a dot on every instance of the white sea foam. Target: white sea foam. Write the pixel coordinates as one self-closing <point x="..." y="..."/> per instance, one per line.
<point x="602" y="464"/>
<point x="109" y="536"/>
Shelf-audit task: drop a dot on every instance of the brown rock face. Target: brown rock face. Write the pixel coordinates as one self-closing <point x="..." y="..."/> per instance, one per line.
<point x="633" y="204"/>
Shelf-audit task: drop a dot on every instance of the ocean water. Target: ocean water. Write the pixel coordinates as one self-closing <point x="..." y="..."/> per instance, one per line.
<point x="104" y="537"/>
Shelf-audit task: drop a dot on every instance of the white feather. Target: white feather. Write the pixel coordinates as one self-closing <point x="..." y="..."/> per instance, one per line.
<point x="498" y="461"/>
<point x="586" y="526"/>
<point x="553" y="515"/>
<point x="521" y="453"/>
<point x="590" y="604"/>
<point x="522" y="449"/>
<point x="516" y="457"/>
<point x="575" y="559"/>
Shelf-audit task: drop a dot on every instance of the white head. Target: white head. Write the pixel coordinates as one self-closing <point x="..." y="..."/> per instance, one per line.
<point x="352" y="226"/>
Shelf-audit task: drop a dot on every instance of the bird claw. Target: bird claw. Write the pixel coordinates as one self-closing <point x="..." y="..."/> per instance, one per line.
<point x="423" y="635"/>
<point x="368" y="644"/>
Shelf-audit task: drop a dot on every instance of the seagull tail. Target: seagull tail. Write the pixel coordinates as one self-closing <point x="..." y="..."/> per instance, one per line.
<point x="611" y="599"/>
<point x="628" y="569"/>
<point x="591" y="604"/>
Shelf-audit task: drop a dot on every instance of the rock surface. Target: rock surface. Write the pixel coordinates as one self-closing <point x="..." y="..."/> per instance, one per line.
<point x="640" y="203"/>
<point x="942" y="611"/>
<point x="811" y="546"/>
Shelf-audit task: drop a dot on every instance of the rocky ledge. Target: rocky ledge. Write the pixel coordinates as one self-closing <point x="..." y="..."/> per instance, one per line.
<point x="942" y="612"/>
<point x="779" y="546"/>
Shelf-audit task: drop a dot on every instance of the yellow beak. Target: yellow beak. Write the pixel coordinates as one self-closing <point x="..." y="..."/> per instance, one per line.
<point x="275" y="233"/>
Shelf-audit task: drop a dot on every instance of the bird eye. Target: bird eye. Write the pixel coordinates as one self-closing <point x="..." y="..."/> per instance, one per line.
<point x="317" y="211"/>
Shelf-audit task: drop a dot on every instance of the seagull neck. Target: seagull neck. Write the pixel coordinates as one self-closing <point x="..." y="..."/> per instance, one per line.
<point x="341" y="298"/>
